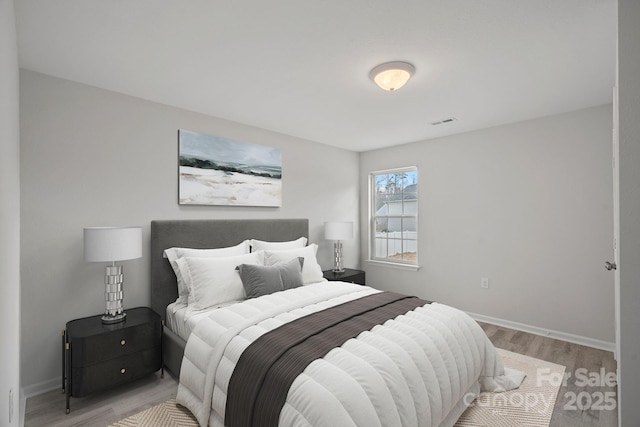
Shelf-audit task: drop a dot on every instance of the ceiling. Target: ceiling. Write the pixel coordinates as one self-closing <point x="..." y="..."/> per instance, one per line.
<point x="301" y="67"/>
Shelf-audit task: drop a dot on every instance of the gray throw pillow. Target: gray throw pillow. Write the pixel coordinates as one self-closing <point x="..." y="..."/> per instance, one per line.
<point x="259" y="280"/>
<point x="291" y="273"/>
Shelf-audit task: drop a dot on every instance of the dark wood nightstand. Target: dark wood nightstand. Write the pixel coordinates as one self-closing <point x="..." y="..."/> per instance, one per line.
<point x="99" y="356"/>
<point x="350" y="275"/>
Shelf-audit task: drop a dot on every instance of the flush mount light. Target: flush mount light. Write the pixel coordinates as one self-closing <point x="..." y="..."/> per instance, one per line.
<point x="392" y="75"/>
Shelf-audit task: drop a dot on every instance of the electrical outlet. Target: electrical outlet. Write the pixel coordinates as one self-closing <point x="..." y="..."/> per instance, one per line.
<point x="484" y="283"/>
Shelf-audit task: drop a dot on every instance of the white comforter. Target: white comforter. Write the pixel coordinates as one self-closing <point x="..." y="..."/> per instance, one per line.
<point x="414" y="370"/>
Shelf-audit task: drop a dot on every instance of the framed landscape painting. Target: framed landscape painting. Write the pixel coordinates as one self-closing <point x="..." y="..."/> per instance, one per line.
<point x="221" y="171"/>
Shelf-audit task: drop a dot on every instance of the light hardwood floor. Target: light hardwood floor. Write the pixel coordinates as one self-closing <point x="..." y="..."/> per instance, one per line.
<point x="580" y="362"/>
<point x="100" y="409"/>
<point x="105" y="408"/>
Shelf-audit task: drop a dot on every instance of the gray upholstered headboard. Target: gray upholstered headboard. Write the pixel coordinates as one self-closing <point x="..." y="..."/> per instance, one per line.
<point x="208" y="233"/>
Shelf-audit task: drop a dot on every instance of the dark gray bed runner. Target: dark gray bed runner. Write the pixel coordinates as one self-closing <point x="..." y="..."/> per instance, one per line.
<point x="266" y="369"/>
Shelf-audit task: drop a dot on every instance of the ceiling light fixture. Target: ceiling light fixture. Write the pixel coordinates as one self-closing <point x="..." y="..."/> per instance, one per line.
<point x="392" y="75"/>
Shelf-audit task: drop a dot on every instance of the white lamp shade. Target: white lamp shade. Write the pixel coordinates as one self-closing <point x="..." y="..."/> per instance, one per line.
<point x="338" y="230"/>
<point x="107" y="244"/>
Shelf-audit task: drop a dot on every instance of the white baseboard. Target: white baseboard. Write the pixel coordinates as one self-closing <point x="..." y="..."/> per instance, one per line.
<point x="564" y="336"/>
<point x="42" y="387"/>
<point x="34" y="390"/>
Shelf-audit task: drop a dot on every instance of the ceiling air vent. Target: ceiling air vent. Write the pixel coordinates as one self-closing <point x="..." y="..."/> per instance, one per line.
<point x="443" y="121"/>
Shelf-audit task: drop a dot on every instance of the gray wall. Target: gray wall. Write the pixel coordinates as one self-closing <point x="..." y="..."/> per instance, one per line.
<point x="93" y="158"/>
<point x="629" y="170"/>
<point x="9" y="219"/>
<point x="528" y="205"/>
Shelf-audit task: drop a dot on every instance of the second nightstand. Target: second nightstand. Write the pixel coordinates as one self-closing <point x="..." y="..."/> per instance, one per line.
<point x="98" y="356"/>
<point x="349" y="275"/>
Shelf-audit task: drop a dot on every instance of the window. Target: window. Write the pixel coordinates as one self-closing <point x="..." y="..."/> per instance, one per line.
<point x="394" y="216"/>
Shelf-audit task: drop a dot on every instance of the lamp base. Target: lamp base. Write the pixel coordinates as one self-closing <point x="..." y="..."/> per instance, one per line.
<point x="337" y="257"/>
<point x="108" y="320"/>
<point x="113" y="295"/>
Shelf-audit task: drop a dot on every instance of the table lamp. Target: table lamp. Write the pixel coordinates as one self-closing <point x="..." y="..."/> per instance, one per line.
<point x="338" y="231"/>
<point x="111" y="244"/>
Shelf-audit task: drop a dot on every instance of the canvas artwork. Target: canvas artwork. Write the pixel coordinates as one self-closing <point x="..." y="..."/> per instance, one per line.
<point x="221" y="171"/>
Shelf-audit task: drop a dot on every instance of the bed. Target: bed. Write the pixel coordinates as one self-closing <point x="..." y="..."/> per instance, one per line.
<point x="202" y="234"/>
<point x="422" y="364"/>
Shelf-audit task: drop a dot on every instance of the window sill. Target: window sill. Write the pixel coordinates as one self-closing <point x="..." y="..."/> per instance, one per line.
<point x="400" y="266"/>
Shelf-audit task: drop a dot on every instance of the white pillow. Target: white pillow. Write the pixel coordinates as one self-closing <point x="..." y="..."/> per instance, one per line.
<point x="214" y="281"/>
<point x="173" y="254"/>
<point x="257" y="245"/>
<point x="311" y="270"/>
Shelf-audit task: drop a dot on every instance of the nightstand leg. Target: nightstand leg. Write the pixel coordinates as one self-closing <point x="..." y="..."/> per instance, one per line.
<point x="67" y="375"/>
<point x="64" y="340"/>
<point x="161" y="348"/>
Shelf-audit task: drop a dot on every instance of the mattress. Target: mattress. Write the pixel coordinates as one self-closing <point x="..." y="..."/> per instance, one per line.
<point x="181" y="319"/>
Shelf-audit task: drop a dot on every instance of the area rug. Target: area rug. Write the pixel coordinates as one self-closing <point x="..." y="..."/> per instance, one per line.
<point x="530" y="405"/>
<point x="166" y="414"/>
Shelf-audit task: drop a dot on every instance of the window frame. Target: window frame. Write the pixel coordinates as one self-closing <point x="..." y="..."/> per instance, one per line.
<point x="373" y="217"/>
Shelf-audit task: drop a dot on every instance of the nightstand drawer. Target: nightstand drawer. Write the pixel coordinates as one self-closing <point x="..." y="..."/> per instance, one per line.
<point x="97" y="348"/>
<point x="356" y="278"/>
<point x="100" y="376"/>
<point x="349" y="275"/>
